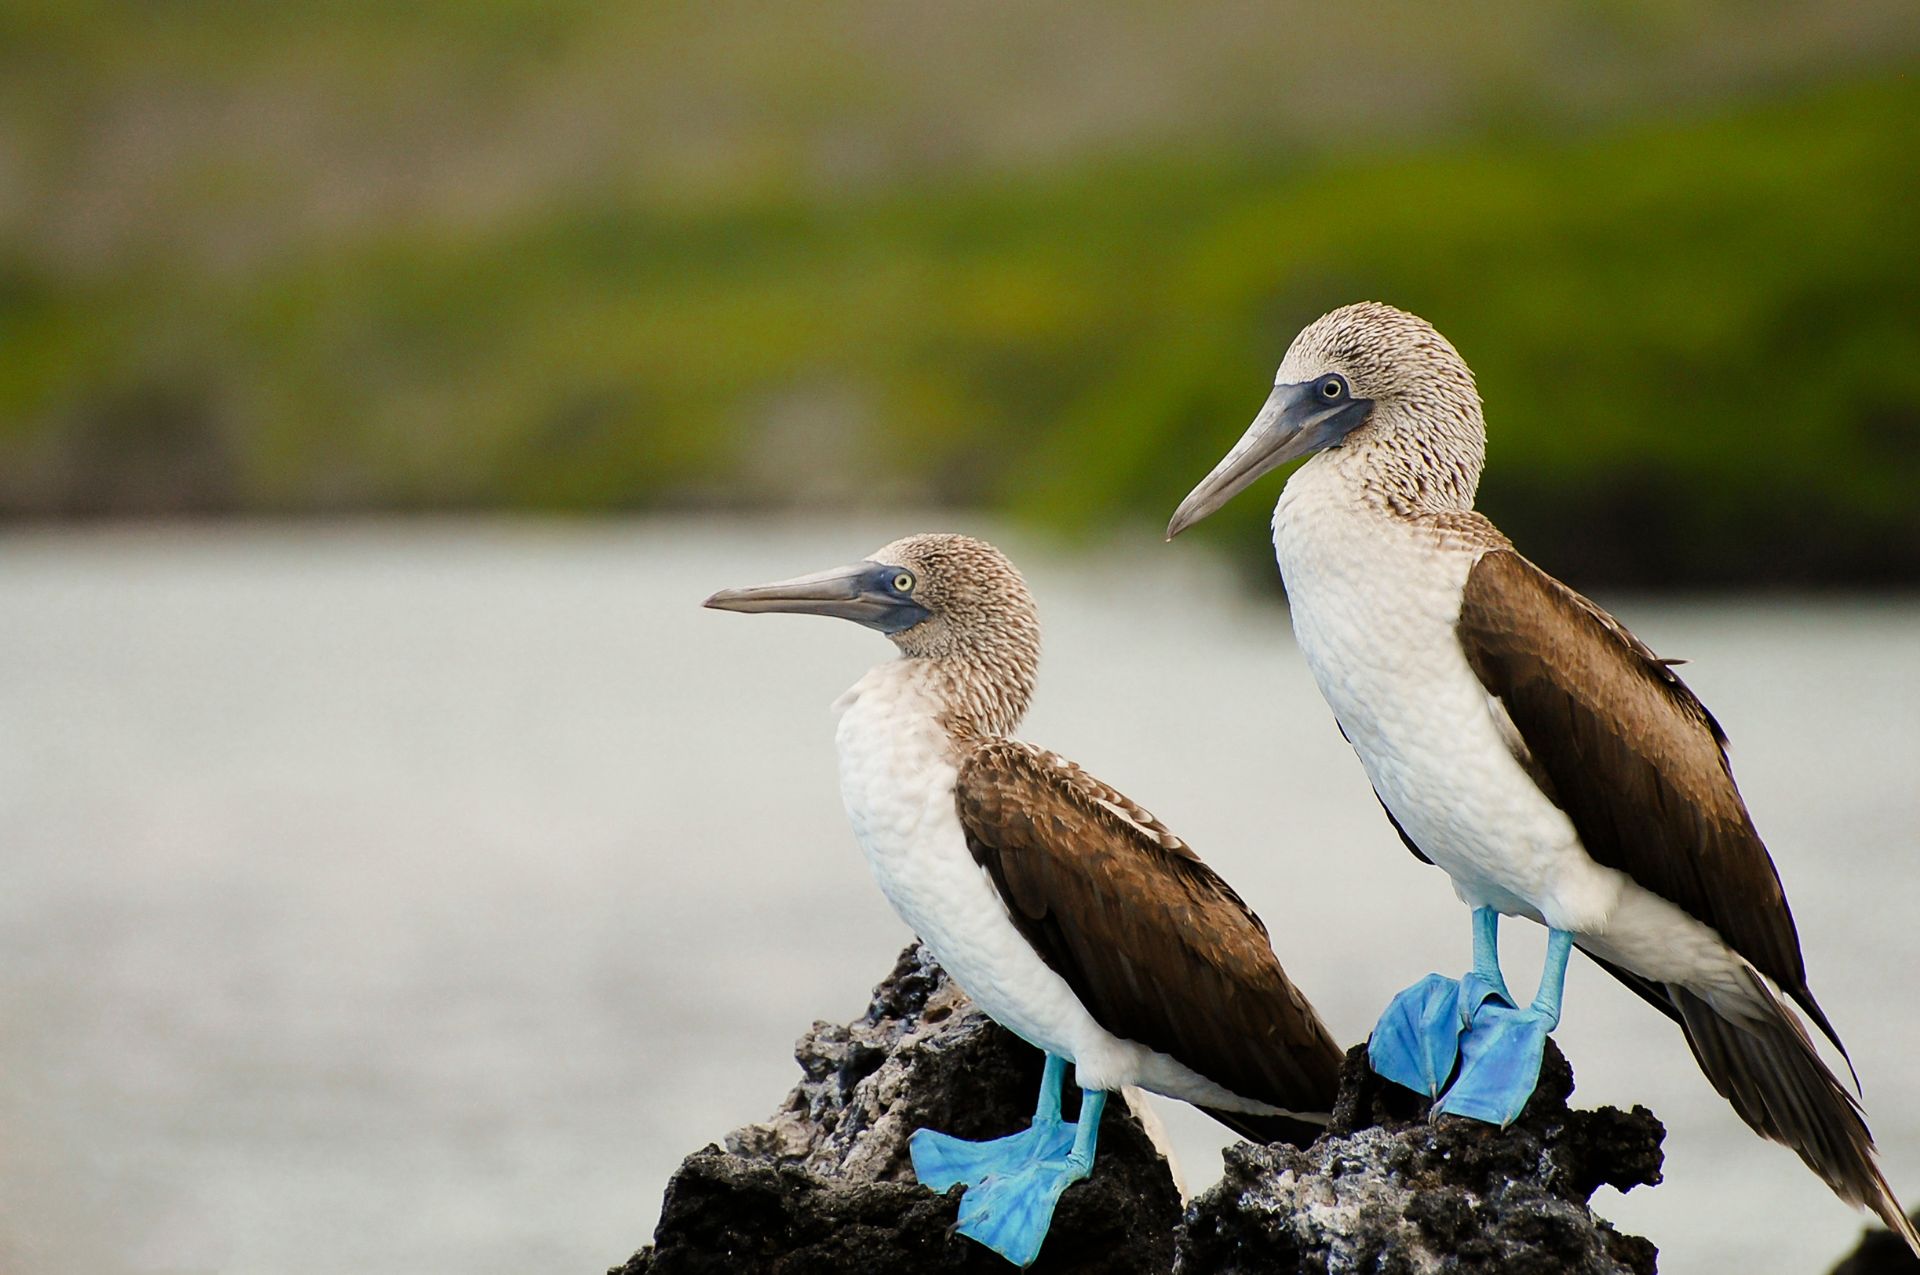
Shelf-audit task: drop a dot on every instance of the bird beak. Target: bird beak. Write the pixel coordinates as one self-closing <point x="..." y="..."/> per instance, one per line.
<point x="859" y="592"/>
<point x="1294" y="422"/>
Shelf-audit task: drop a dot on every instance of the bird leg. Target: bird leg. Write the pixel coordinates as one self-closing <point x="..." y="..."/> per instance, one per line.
<point x="1418" y="1038"/>
<point x="1500" y="1056"/>
<point x="1483" y="983"/>
<point x="1014" y="1182"/>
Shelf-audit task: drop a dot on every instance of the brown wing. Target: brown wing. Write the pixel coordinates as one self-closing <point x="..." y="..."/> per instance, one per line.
<point x="1631" y="755"/>
<point x="1158" y="948"/>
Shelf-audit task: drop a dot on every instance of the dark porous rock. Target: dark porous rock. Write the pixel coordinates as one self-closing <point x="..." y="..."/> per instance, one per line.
<point x="1880" y="1252"/>
<point x="1387" y="1190"/>
<point x="826" y="1183"/>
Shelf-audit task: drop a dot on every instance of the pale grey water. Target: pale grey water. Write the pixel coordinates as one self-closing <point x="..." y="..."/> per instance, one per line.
<point x="409" y="898"/>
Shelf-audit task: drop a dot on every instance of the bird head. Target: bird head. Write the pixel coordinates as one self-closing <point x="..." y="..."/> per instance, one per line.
<point x="934" y="595"/>
<point x="1361" y="374"/>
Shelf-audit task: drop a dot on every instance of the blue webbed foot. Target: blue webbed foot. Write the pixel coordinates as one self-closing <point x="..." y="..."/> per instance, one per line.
<point x="1417" y="1039"/>
<point x="940" y="1160"/>
<point x="1500" y="1056"/>
<point x="1499" y="1064"/>
<point x="1014" y="1182"/>
<point x="1010" y="1214"/>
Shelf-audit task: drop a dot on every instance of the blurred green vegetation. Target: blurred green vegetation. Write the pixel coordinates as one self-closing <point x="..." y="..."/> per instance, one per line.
<point x="1698" y="340"/>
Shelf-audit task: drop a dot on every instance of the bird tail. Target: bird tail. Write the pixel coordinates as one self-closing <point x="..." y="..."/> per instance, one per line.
<point x="1765" y="1064"/>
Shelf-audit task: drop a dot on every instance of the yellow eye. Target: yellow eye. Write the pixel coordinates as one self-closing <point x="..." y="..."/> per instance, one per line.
<point x="903" y="583"/>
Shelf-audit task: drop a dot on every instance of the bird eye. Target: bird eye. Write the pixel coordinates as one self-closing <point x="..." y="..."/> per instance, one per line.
<point x="903" y="583"/>
<point x="1332" y="388"/>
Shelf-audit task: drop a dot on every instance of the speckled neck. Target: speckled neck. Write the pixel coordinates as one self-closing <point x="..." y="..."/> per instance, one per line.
<point x="986" y="692"/>
<point x="1411" y="463"/>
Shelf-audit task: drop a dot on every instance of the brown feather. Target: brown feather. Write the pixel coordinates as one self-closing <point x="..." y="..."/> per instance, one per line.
<point x="1157" y="947"/>
<point x="1640" y="767"/>
<point x="1632" y="756"/>
<point x="1768" y="1069"/>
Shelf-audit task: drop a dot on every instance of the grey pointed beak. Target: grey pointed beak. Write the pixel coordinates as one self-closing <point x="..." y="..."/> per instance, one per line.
<point x="861" y="592"/>
<point x="1293" y="422"/>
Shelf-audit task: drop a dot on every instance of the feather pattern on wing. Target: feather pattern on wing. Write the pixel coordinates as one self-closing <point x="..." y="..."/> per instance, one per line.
<point x="1155" y="944"/>
<point x="1640" y="767"/>
<point x="1632" y="756"/>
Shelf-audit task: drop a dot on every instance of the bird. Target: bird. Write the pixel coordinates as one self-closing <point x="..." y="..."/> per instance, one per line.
<point x="1523" y="740"/>
<point x="1068" y="913"/>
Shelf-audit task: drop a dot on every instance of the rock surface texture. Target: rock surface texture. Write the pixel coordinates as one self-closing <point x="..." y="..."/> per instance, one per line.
<point x="1385" y="1190"/>
<point x="825" y="1184"/>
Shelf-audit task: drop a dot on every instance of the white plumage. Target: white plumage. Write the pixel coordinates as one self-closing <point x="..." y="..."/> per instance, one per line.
<point x="1375" y="599"/>
<point x="897" y="780"/>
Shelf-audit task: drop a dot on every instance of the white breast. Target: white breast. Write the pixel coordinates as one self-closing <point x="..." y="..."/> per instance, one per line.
<point x="897" y="778"/>
<point x="1375" y="599"/>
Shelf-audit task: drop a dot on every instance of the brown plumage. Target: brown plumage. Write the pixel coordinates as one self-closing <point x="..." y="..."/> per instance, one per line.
<point x="1640" y="767"/>
<point x="1157" y="947"/>
<point x="1632" y="756"/>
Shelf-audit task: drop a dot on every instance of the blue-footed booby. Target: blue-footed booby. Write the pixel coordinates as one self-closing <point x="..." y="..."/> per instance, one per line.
<point x="1070" y="915"/>
<point x="1524" y="741"/>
